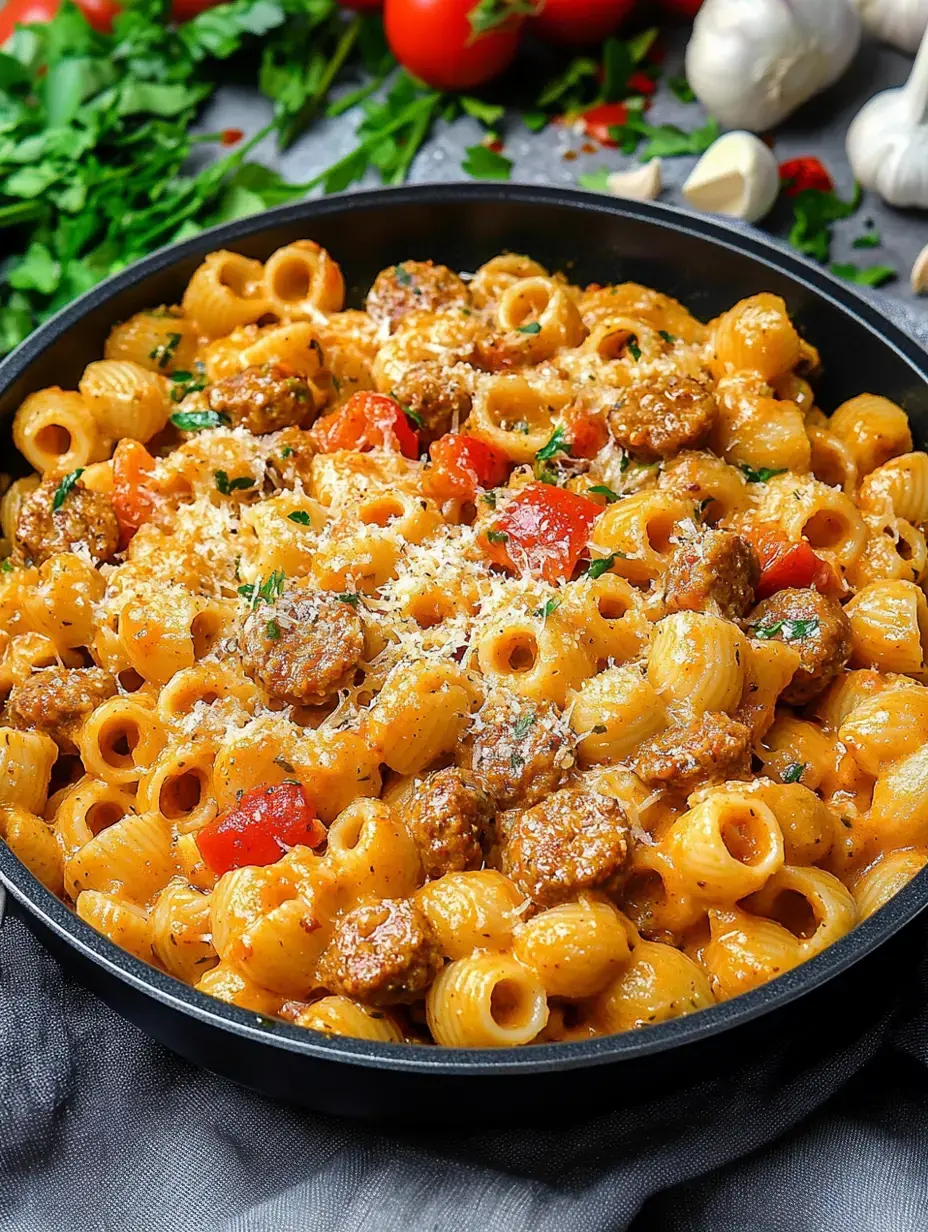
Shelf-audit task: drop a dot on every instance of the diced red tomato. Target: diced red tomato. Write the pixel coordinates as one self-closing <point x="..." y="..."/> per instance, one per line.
<point x="367" y="421"/>
<point x="25" y="13"/>
<point x="99" y="13"/>
<point x="641" y="83"/>
<point x="462" y="464"/>
<point x="798" y="174"/>
<point x="599" y="120"/>
<point x="543" y="530"/>
<point x="575" y="23"/>
<point x="262" y="827"/>
<point x="587" y="433"/>
<point x="786" y="564"/>
<point x="231" y="136"/>
<point x="132" y="501"/>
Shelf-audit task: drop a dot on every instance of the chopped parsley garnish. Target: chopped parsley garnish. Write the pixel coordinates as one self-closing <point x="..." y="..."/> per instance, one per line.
<point x="497" y="536"/>
<point x="793" y="772"/>
<point x="869" y="239"/>
<point x="663" y="140"/>
<point x="348" y="598"/>
<point x="521" y="726"/>
<point x="184" y="383"/>
<point x="700" y="508"/>
<point x="762" y="474"/>
<point x="489" y="498"/>
<point x="814" y="213"/>
<point x="602" y="490"/>
<point x="482" y="163"/>
<point x="681" y="88"/>
<point x="403" y="276"/>
<point x="530" y="327"/>
<point x="596" y="568"/>
<point x="227" y="486"/>
<point x="869" y="276"/>
<point x="300" y="516"/>
<point x="792" y="630"/>
<point x="197" y="421"/>
<point x="6" y="567"/>
<point x="414" y="416"/>
<point x="556" y="443"/>
<point x="287" y="451"/>
<point x="670" y="338"/>
<point x="516" y="761"/>
<point x="165" y="352"/>
<point x="545" y="611"/>
<point x="634" y="349"/>
<point x="65" y="487"/>
<point x="268" y="591"/>
<point x="272" y="630"/>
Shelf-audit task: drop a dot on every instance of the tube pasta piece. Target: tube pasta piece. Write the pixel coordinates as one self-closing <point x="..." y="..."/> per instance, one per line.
<point x="658" y="984"/>
<point x="301" y="280"/>
<point x="883" y="880"/>
<point x="56" y="431"/>
<point x="810" y="903"/>
<point x="874" y="430"/>
<point x="613" y="712"/>
<point x="32" y="841"/>
<point x="475" y="910"/>
<point x="342" y="1016"/>
<point x="132" y="857"/>
<point x="696" y="662"/>
<point x="180" y="932"/>
<point x="226" y="291"/>
<point x="746" y="950"/>
<point x="576" y="948"/>
<point x="486" y="1001"/>
<point x="123" y="923"/>
<point x="889" y="627"/>
<point x="726" y="847"/>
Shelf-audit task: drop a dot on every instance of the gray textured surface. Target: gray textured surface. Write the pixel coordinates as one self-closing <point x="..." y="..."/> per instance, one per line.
<point x="818" y="129"/>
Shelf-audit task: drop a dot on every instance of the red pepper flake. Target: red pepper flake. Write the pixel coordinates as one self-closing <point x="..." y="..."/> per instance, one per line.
<point x="799" y="174"/>
<point x="231" y="136"/>
<point x="641" y="83"/>
<point x="597" y="122"/>
<point x="496" y="146"/>
<point x="571" y="155"/>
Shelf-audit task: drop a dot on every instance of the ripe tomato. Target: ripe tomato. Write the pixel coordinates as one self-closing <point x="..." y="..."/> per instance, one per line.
<point x="99" y="13"/>
<point x="683" y="8"/>
<point x="133" y="503"/>
<point x="367" y="421"/>
<point x="577" y="22"/>
<point x="798" y="174"/>
<point x="542" y="530"/>
<point x="434" y="40"/>
<point x="599" y="120"/>
<point x="24" y="13"/>
<point x="462" y="464"/>
<point x="262" y="827"/>
<point x="184" y="10"/>
<point x="786" y="564"/>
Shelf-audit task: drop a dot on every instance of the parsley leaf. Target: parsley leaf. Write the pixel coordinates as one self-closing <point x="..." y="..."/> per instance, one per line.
<point x="523" y="724"/>
<point x="792" y="630"/>
<point x="634" y="349"/>
<point x="664" y="140"/>
<point x="595" y="181"/>
<point x="489" y="15"/>
<point x="497" y="536"/>
<point x="184" y="383"/>
<point x="681" y="88"/>
<point x="65" y="487"/>
<point x="164" y="353"/>
<point x="489" y="114"/>
<point x="531" y="327"/>
<point x="871" y="276"/>
<point x="762" y="474"/>
<point x="197" y="421"/>
<point x="596" y="568"/>
<point x="483" y="163"/>
<point x="669" y="338"/>
<point x="869" y="239"/>
<point x="272" y="631"/>
<point x="347" y="598"/>
<point x="227" y="486"/>
<point x="601" y="490"/>
<point x="489" y="498"/>
<point x="268" y="591"/>
<point x="300" y="516"/>
<point x="814" y="213"/>
<point x="545" y="611"/>
<point x="557" y="443"/>
<point x="793" y="772"/>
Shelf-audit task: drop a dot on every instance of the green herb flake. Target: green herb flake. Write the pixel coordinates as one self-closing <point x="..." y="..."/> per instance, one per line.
<point x="634" y="349"/>
<point x="489" y="498"/>
<point x="402" y="275"/>
<point x="681" y="88"/>
<point x="557" y="443"/>
<point x="793" y="772"/>
<point x="164" y="353"/>
<point x="762" y="474"/>
<point x="600" y="489"/>
<point x="523" y="724"/>
<point x="531" y="327"/>
<point x="546" y="609"/>
<point x="267" y="592"/>
<point x="287" y="451"/>
<point x="413" y="416"/>
<point x="354" y="600"/>
<point x="272" y="631"/>
<point x="6" y="566"/>
<point x="488" y="15"/>
<point x="869" y="239"/>
<point x="869" y="276"/>
<point x="482" y="163"/>
<point x="595" y="181"/>
<point x="198" y="421"/>
<point x="792" y="630"/>
<point x="227" y="486"/>
<point x="497" y="536"/>
<point x="814" y="214"/>
<point x="668" y="338"/>
<point x="596" y="568"/>
<point x="300" y="516"/>
<point x="64" y="489"/>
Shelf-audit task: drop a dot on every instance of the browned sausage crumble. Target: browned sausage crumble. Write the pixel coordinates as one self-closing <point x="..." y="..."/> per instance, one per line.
<point x="263" y="398"/>
<point x="302" y="648"/>
<point x="575" y="840"/>
<point x="449" y="821"/>
<point x="712" y="748"/>
<point x="414" y="286"/>
<point x="84" y="519"/>
<point x="716" y="571"/>
<point x="666" y="415"/>
<point x="519" y="750"/>
<point x="813" y="624"/>
<point x="57" y="700"/>
<point x="381" y="953"/>
<point x="435" y="396"/>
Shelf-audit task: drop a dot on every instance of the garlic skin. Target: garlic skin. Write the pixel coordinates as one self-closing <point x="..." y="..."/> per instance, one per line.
<point x="899" y="22"/>
<point x="753" y="62"/>
<point x="642" y="183"/>
<point x="887" y="144"/>
<point x="919" y="279"/>
<point x="738" y="175"/>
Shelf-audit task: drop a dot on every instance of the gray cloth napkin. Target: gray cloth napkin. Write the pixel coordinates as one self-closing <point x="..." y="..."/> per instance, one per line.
<point x="101" y="1129"/>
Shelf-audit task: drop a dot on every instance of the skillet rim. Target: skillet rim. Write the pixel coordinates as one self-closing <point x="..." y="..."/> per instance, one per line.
<point x="625" y="1047"/>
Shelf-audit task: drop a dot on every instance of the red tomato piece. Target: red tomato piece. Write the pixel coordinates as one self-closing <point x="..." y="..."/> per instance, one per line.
<point x="542" y="530"/>
<point x="99" y="13"/>
<point x="367" y="421"/>
<point x="133" y="503"/>
<point x="184" y="10"/>
<point x="462" y="464"/>
<point x="786" y="564"/>
<point x="262" y="827"/>
<point x="599" y="120"/>
<point x="25" y="13"/>
<point x="641" y="83"/>
<point x="798" y="174"/>
<point x="587" y="433"/>
<point x="434" y="40"/>
<point x="575" y="23"/>
<point x="683" y="8"/>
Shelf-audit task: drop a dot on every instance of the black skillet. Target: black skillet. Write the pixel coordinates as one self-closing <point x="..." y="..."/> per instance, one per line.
<point x="806" y="1014"/>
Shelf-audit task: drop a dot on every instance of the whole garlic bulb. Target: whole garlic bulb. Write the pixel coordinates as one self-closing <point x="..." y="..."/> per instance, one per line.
<point x="752" y="62"/>
<point x="900" y="22"/>
<point x="887" y="144"/>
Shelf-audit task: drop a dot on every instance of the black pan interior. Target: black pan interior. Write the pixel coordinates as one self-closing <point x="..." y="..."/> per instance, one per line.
<point x="706" y="265"/>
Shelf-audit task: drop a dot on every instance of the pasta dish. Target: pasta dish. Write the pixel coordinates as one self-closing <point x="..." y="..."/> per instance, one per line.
<point x="508" y="662"/>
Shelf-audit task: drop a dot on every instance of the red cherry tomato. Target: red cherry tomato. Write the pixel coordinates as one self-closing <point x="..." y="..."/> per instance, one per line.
<point x="599" y="120"/>
<point x="262" y="827"/>
<point x="24" y="13"/>
<point x="367" y="421"/>
<point x="542" y="530"/>
<point x="133" y="503"/>
<point x="184" y="10"/>
<point x="683" y="8"/>
<point x="798" y="174"/>
<point x="462" y="464"/>
<point x="434" y="40"/>
<point x="786" y="564"/>
<point x="576" y="22"/>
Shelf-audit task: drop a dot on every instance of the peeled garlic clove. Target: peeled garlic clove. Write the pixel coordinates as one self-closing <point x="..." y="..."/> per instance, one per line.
<point x="920" y="273"/>
<point x="738" y="176"/>
<point x="642" y="183"/>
